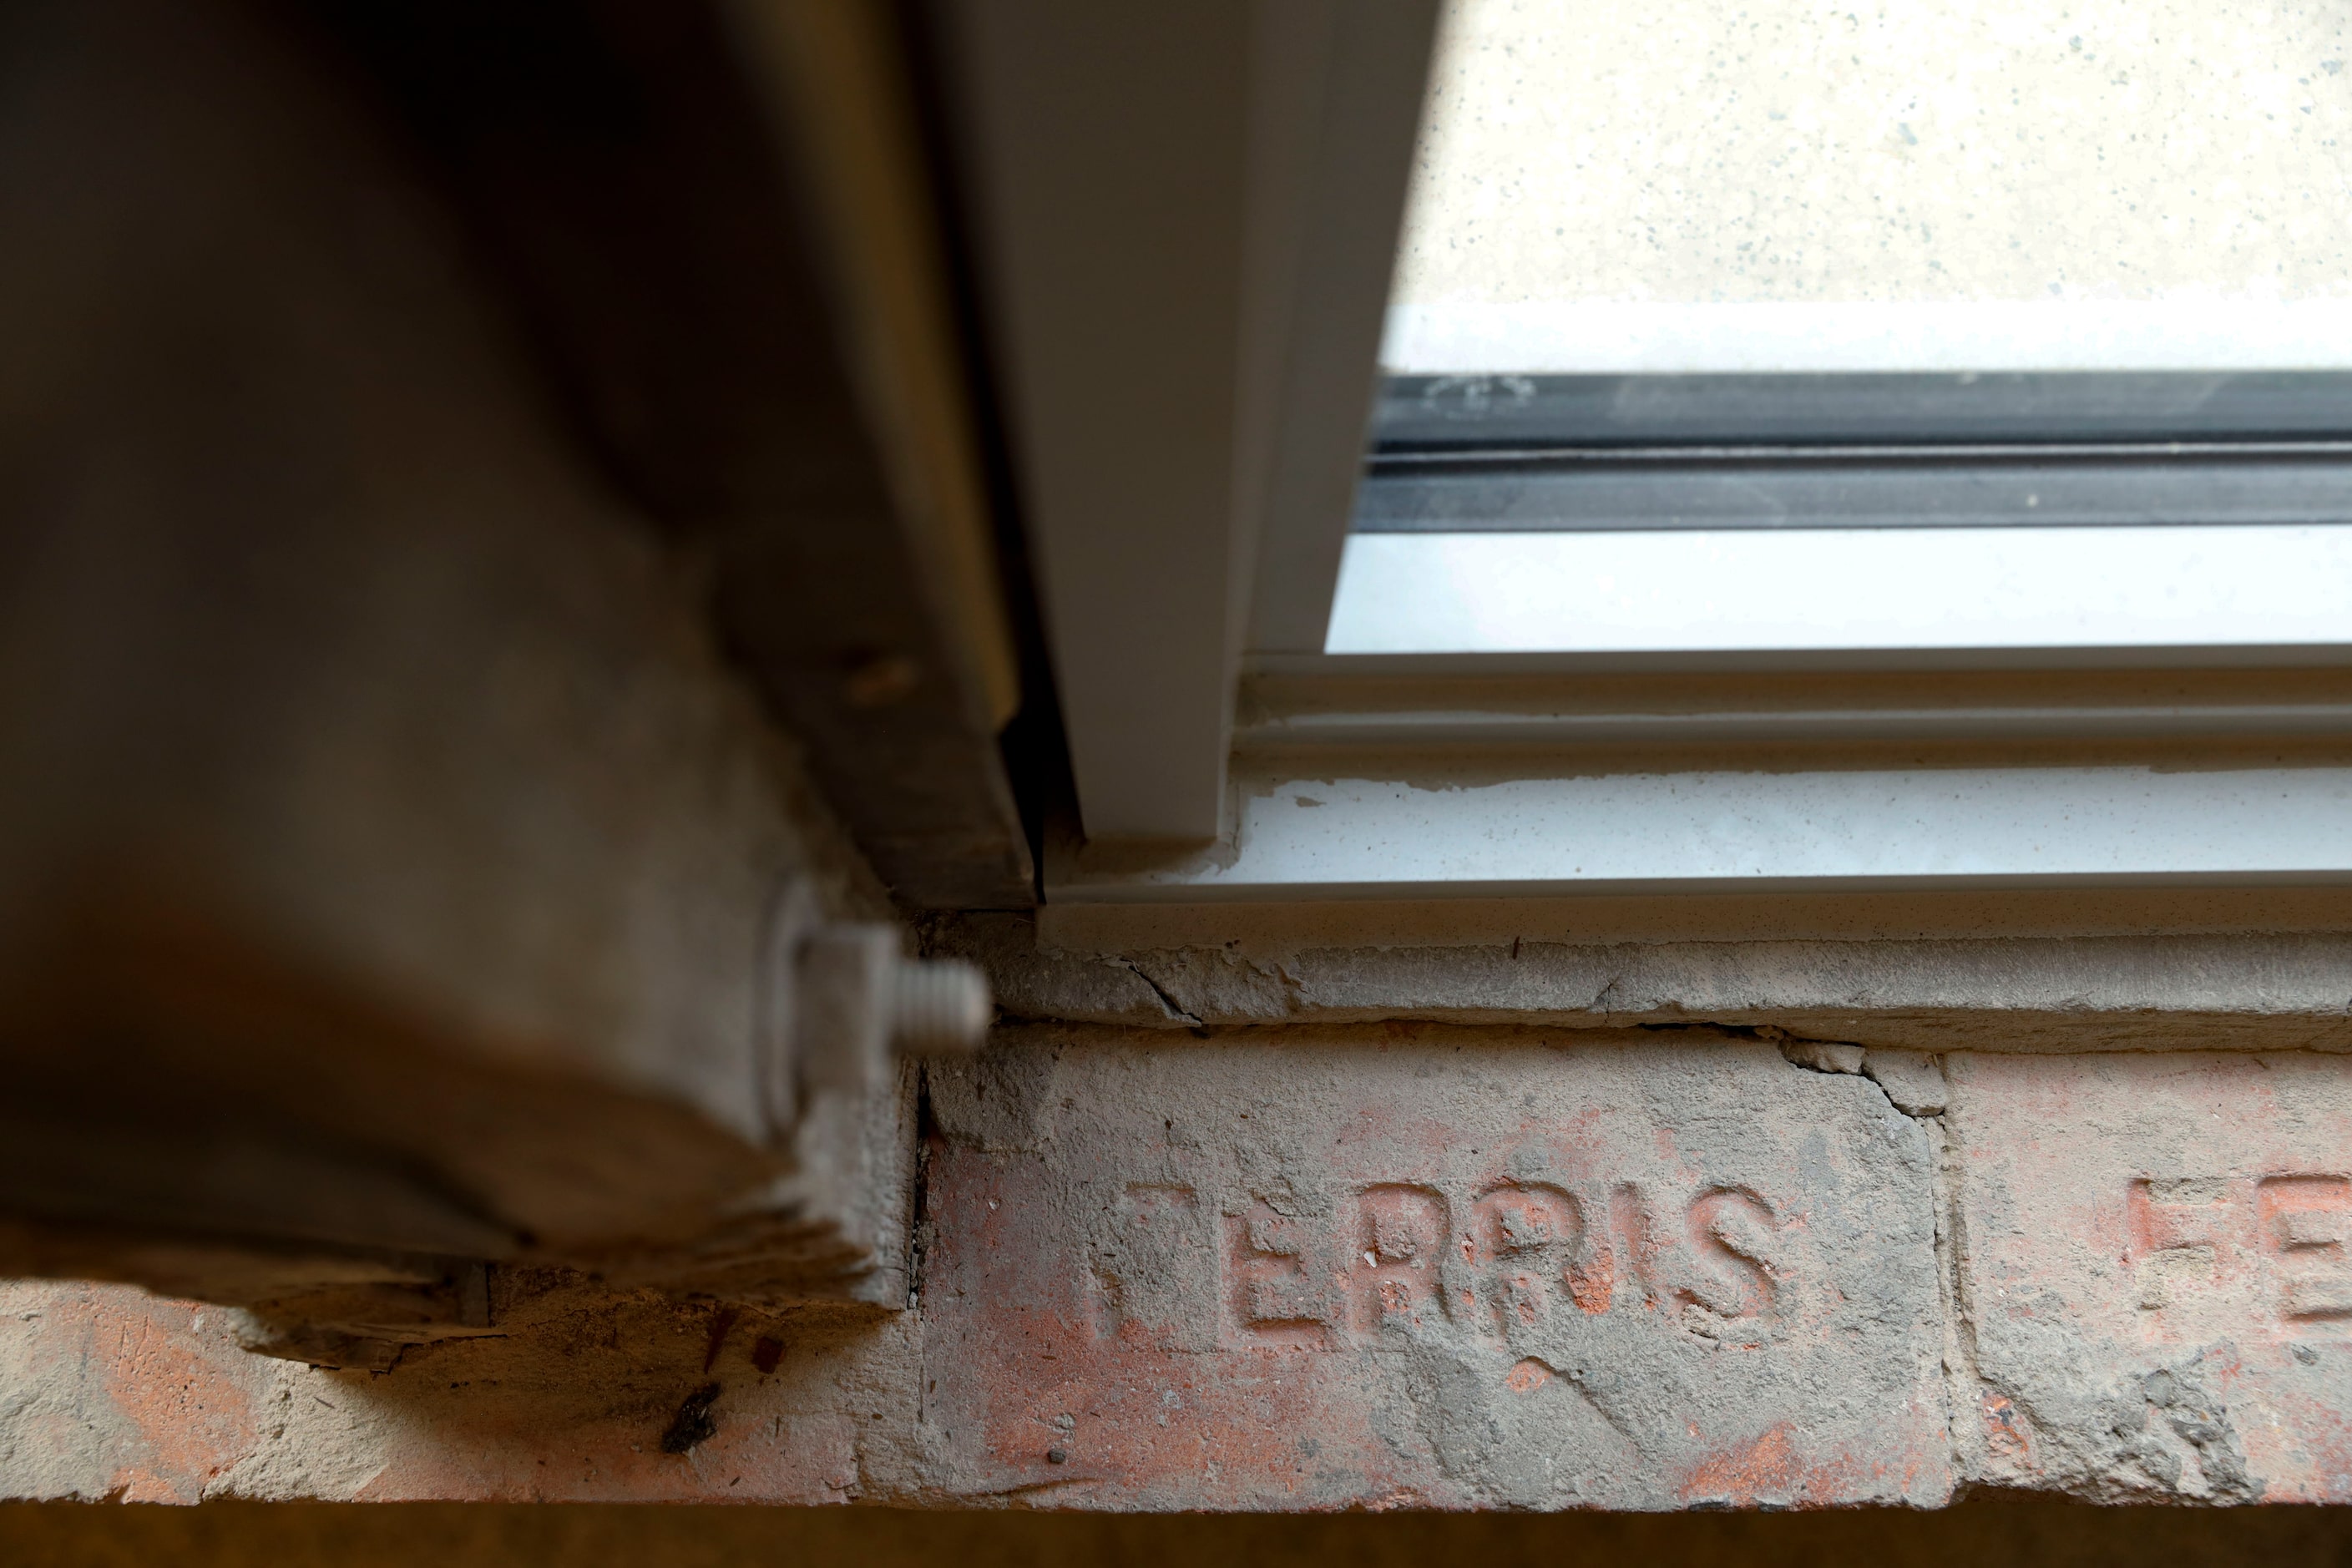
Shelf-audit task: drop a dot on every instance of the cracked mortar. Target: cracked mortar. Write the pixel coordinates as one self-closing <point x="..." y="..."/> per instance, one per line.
<point x="2056" y="994"/>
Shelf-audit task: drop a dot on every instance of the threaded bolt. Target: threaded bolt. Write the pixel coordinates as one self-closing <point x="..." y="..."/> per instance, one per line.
<point x="938" y="1006"/>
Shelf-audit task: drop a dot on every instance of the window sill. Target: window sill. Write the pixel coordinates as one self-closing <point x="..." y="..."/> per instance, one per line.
<point x="1305" y="832"/>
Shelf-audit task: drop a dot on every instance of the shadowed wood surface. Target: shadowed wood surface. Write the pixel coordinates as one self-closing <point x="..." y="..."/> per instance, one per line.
<point x="232" y="1535"/>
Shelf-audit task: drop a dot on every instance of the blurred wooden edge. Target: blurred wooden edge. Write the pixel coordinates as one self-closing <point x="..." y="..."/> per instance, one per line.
<point x="838" y="91"/>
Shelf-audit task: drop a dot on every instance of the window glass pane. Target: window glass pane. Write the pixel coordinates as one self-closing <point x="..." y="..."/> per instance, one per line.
<point x="1932" y="326"/>
<point x="1799" y="589"/>
<point x="1914" y="185"/>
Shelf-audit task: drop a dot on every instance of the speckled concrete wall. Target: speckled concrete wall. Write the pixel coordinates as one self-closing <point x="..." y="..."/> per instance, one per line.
<point x="1907" y="150"/>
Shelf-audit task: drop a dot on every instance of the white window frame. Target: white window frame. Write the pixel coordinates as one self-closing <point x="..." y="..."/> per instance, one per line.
<point x="1187" y="220"/>
<point x="1189" y="403"/>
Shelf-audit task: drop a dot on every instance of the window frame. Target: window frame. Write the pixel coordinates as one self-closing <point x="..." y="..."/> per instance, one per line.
<point x="1188" y="455"/>
<point x="1184" y="222"/>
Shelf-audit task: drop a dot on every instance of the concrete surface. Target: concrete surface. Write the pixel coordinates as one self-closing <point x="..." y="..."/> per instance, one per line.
<point x="2290" y="991"/>
<point x="1904" y="150"/>
<point x="1910" y="184"/>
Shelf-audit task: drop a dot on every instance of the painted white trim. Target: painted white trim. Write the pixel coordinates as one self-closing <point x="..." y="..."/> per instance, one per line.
<point x="1072" y="115"/>
<point x="1720" y="831"/>
<point x="1622" y="337"/>
<point x="1186" y="220"/>
<point x="1342" y="206"/>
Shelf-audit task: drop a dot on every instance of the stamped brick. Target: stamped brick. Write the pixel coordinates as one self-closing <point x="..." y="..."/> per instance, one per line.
<point x="2158" y="1258"/>
<point x="1417" y="1273"/>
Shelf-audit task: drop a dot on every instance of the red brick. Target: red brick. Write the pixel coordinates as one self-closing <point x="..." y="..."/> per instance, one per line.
<point x="1418" y="1274"/>
<point x="2159" y="1282"/>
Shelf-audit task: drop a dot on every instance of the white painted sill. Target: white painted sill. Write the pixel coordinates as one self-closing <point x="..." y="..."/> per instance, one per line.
<point x="1434" y="786"/>
<point x="1334" y="837"/>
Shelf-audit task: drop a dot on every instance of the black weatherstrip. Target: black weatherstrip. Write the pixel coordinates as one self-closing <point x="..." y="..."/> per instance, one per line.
<point x="1578" y="453"/>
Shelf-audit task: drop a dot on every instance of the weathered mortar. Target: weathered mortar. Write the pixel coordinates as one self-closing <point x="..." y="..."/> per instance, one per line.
<point x="2271" y="992"/>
